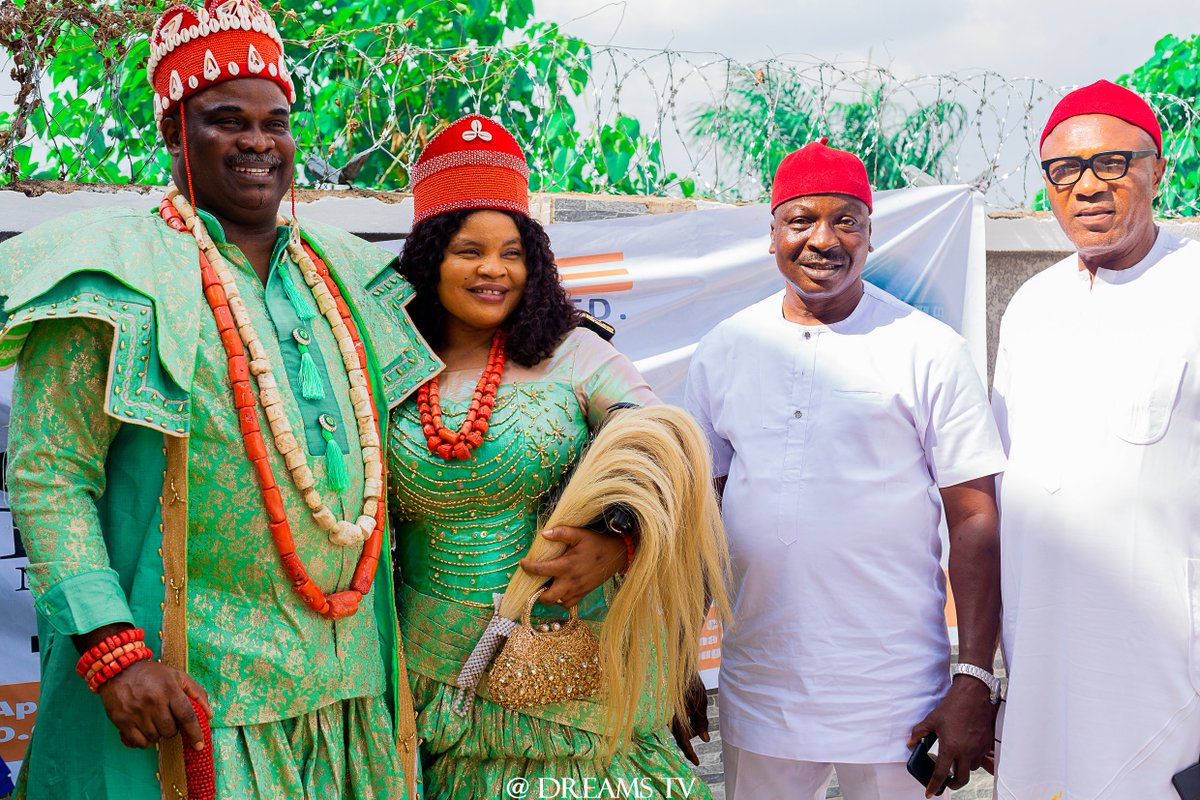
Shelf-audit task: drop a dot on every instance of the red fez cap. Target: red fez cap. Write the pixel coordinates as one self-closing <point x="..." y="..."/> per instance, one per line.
<point x="1105" y="97"/>
<point x="192" y="49"/>
<point x="474" y="163"/>
<point x="817" y="168"/>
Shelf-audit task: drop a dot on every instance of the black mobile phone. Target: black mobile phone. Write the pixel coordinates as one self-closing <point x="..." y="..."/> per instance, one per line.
<point x="1187" y="782"/>
<point x="921" y="764"/>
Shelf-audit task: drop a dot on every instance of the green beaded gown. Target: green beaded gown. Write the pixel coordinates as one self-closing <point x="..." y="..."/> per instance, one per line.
<point x="461" y="528"/>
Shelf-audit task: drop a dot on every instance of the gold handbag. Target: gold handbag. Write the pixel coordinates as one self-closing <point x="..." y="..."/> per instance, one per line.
<point x="537" y="667"/>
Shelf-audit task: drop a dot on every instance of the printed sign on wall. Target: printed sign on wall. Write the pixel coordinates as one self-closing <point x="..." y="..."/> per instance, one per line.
<point x="18" y="627"/>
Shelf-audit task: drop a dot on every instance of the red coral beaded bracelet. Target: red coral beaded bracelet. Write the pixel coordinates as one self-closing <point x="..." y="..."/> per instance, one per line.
<point x="106" y="659"/>
<point x="112" y="669"/>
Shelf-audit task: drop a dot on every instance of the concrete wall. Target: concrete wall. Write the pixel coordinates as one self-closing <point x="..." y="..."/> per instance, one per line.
<point x="1019" y="244"/>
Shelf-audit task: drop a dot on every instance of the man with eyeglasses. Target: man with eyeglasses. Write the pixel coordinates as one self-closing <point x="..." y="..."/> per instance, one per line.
<point x="1097" y="396"/>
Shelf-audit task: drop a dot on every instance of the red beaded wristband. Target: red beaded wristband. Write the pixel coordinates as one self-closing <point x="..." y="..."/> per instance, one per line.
<point x="111" y="656"/>
<point x="107" y="645"/>
<point x="116" y="667"/>
<point x="630" y="551"/>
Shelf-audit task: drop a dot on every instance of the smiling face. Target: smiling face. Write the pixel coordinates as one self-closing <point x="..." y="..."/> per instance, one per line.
<point x="482" y="275"/>
<point x="240" y="147"/>
<point x="820" y="243"/>
<point x="1111" y="223"/>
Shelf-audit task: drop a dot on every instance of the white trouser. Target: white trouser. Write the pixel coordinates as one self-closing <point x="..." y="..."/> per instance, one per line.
<point x="750" y="776"/>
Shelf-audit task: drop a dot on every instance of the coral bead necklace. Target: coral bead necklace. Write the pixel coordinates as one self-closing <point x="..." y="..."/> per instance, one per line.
<point x="457" y="445"/>
<point x="247" y="356"/>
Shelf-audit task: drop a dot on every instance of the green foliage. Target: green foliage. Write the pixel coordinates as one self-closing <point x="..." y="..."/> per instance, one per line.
<point x="85" y="116"/>
<point x="1040" y="201"/>
<point x="380" y="78"/>
<point x="619" y="159"/>
<point x="769" y="116"/>
<point x="376" y="79"/>
<point x="1170" y="80"/>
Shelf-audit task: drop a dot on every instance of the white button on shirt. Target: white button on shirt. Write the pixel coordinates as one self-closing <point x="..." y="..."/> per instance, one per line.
<point x="835" y="440"/>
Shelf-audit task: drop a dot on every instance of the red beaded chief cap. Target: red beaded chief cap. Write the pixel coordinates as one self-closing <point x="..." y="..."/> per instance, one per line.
<point x="1105" y="97"/>
<point x="192" y="49"/>
<point x="474" y="163"/>
<point x="817" y="168"/>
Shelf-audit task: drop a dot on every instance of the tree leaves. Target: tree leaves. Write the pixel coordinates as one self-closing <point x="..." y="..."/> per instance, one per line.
<point x="1173" y="73"/>
<point x="375" y="78"/>
<point x="768" y="115"/>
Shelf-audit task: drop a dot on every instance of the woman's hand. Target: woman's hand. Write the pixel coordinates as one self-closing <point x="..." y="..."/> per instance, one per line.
<point x="591" y="559"/>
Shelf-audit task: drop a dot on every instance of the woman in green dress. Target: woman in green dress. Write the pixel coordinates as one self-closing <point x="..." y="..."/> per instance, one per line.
<point x="472" y="458"/>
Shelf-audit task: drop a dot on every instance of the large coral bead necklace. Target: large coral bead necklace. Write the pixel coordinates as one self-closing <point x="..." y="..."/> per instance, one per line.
<point x="457" y="445"/>
<point x="247" y="356"/>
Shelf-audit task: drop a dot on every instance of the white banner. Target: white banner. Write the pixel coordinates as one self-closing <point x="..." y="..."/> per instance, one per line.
<point x="663" y="281"/>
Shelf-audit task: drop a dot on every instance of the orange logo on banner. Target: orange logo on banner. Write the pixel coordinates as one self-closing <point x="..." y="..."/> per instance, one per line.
<point x="710" y="642"/>
<point x="569" y="270"/>
<point x="951" y="610"/>
<point x="18" y="708"/>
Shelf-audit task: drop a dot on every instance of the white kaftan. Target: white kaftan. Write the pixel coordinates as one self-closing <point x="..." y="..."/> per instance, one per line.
<point x="1097" y="395"/>
<point x="835" y="440"/>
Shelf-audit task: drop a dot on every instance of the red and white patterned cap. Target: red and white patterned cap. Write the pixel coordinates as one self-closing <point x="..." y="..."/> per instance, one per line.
<point x="192" y="49"/>
<point x="474" y="163"/>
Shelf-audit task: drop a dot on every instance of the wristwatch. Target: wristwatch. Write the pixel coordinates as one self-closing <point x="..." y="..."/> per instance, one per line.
<point x="993" y="683"/>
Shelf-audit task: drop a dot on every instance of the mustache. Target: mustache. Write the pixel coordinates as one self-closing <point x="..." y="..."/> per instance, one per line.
<point x="253" y="160"/>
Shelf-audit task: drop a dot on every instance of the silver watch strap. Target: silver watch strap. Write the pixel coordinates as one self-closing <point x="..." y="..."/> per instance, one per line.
<point x="992" y="682"/>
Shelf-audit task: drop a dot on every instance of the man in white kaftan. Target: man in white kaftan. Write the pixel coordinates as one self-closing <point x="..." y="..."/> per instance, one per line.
<point x="1097" y="395"/>
<point x="842" y="422"/>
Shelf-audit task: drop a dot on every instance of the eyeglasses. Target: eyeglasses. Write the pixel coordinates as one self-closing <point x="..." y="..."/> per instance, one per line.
<point x="1110" y="165"/>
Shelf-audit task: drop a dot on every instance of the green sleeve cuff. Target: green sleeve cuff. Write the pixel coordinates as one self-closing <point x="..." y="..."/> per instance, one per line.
<point x="84" y="602"/>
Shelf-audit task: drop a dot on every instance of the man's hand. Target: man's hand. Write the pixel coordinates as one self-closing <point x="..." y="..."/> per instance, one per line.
<point x="965" y="721"/>
<point x="696" y="724"/>
<point x="590" y="560"/>
<point x="965" y="724"/>
<point x="148" y="701"/>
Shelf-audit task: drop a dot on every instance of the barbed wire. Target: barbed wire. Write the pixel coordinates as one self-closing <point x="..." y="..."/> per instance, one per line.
<point x="591" y="118"/>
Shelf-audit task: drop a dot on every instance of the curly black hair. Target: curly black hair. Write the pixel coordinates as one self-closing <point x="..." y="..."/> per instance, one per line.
<point x="540" y="321"/>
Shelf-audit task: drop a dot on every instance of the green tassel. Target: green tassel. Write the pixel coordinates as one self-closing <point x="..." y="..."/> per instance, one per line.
<point x="300" y="304"/>
<point x="335" y="463"/>
<point x="311" y="386"/>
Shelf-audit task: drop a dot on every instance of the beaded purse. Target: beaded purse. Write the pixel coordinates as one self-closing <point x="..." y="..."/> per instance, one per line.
<point x="537" y="667"/>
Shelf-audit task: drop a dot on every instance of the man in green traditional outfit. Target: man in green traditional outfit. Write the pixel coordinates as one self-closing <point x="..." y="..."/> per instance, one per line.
<point x="154" y="487"/>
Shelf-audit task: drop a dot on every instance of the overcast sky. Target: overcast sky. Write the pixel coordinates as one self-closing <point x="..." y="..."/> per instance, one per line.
<point x="1061" y="43"/>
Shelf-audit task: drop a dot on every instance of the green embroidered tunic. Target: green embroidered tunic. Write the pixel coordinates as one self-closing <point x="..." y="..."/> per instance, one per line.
<point x="117" y="347"/>
<point x="463" y="525"/>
